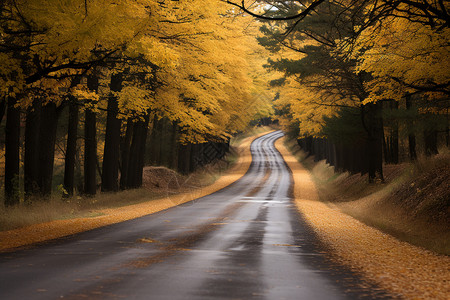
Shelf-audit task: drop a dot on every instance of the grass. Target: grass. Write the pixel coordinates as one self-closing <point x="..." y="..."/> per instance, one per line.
<point x="57" y="208"/>
<point x="413" y="204"/>
<point x="39" y="210"/>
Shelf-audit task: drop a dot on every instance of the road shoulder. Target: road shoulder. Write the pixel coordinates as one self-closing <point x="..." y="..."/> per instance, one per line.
<point x="398" y="267"/>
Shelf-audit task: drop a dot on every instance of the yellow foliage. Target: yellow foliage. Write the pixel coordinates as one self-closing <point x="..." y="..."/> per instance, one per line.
<point x="403" y="56"/>
<point x="207" y="62"/>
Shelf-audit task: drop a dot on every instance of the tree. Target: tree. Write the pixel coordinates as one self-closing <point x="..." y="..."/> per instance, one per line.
<point x="55" y="40"/>
<point x="110" y="171"/>
<point x="31" y="157"/>
<point x="71" y="148"/>
<point x="181" y="61"/>
<point x="90" y="141"/>
<point x="321" y="77"/>
<point x="12" y="144"/>
<point x="335" y="54"/>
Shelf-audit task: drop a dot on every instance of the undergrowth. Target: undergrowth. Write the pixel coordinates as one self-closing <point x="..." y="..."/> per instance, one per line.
<point x="39" y="210"/>
<point x="413" y="204"/>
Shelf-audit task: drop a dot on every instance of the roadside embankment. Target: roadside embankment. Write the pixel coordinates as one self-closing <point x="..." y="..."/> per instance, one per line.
<point x="55" y="229"/>
<point x="404" y="270"/>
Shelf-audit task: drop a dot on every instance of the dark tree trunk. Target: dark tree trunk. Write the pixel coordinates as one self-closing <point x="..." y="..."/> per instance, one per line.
<point x="12" y="149"/>
<point x="390" y="142"/>
<point x="339" y="159"/>
<point x="110" y="171"/>
<point x="90" y="153"/>
<point x="141" y="154"/>
<point x="360" y="159"/>
<point x="430" y="139"/>
<point x="47" y="139"/>
<point x="133" y="163"/>
<point x="184" y="155"/>
<point x="194" y="159"/>
<point x="125" y="154"/>
<point x="374" y="125"/>
<point x="447" y="131"/>
<point x="412" y="146"/>
<point x="70" y="158"/>
<point x="173" y="155"/>
<point x="154" y="143"/>
<point x="164" y="145"/>
<point x="137" y="153"/>
<point x="2" y="109"/>
<point x="411" y="135"/>
<point x="71" y="148"/>
<point x="31" y="157"/>
<point x="90" y="144"/>
<point x="386" y="150"/>
<point x="394" y="136"/>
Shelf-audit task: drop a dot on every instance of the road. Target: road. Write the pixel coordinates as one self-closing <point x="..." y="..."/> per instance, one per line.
<point x="246" y="241"/>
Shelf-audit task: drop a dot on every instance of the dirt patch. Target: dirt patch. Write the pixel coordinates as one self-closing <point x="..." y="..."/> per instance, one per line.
<point x="426" y="193"/>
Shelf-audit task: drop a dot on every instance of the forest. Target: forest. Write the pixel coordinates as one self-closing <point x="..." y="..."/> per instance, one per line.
<point x="104" y="88"/>
<point x="100" y="89"/>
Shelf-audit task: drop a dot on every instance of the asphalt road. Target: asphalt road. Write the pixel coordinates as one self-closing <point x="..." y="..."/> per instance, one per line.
<point x="244" y="242"/>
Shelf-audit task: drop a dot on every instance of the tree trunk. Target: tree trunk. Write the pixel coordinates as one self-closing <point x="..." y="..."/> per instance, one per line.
<point x="90" y="153"/>
<point x="393" y="141"/>
<point x="173" y="155"/>
<point x="141" y="154"/>
<point x="164" y="144"/>
<point x="430" y="139"/>
<point x="12" y="158"/>
<point x="394" y="145"/>
<point x="447" y="131"/>
<point x="71" y="148"/>
<point x="411" y="135"/>
<point x="154" y="143"/>
<point x="338" y="162"/>
<point x="31" y="157"/>
<point x="47" y="140"/>
<point x="374" y="125"/>
<point x="90" y="144"/>
<point x="110" y="171"/>
<point x="2" y="109"/>
<point x="194" y="158"/>
<point x="386" y="150"/>
<point x="133" y="163"/>
<point x="184" y="155"/>
<point x="137" y="152"/>
<point x="125" y="149"/>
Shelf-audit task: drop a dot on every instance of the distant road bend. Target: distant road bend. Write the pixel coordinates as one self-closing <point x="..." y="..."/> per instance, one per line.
<point x="246" y="241"/>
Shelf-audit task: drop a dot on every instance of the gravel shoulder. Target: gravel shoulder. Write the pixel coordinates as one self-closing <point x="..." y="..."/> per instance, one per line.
<point x="12" y="239"/>
<point x="404" y="270"/>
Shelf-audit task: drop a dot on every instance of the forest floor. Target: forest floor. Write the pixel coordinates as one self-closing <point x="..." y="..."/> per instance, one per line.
<point x="162" y="188"/>
<point x="413" y="204"/>
<point x="342" y="210"/>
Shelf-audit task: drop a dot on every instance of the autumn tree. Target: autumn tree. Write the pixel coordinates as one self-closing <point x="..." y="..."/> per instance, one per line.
<point x="54" y="40"/>
<point x="180" y="63"/>
<point x="341" y="48"/>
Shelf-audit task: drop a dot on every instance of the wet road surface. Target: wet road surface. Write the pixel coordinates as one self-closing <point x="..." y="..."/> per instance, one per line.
<point x="244" y="242"/>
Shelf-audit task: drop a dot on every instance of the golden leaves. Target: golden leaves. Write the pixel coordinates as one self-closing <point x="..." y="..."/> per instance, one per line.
<point x="402" y="54"/>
